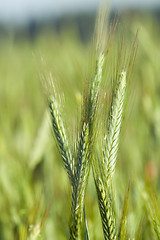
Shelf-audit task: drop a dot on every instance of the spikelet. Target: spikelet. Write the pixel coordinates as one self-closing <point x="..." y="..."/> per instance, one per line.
<point x="94" y="91"/>
<point x="81" y="177"/>
<point x="60" y="135"/>
<point x="114" y="126"/>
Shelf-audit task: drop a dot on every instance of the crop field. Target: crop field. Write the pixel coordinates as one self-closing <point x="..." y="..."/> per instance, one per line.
<point x="46" y="128"/>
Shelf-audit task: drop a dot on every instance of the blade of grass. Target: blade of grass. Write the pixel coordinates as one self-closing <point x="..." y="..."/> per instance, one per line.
<point x="122" y="230"/>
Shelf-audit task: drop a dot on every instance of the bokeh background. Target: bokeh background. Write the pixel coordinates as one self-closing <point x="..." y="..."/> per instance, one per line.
<point x="34" y="189"/>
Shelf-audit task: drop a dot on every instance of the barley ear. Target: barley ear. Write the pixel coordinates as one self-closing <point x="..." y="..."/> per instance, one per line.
<point x="84" y="154"/>
<point x="103" y="168"/>
<point x="80" y="182"/>
<point x="94" y="91"/>
<point x="60" y="135"/>
<point x="110" y="149"/>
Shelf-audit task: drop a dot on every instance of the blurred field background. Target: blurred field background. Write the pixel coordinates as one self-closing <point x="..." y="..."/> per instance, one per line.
<point x="34" y="189"/>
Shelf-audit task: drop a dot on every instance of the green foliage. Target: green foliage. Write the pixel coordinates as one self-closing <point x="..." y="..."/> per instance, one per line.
<point x="123" y="223"/>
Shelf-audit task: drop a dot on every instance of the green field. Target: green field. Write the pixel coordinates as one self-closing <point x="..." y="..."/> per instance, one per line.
<point x="34" y="188"/>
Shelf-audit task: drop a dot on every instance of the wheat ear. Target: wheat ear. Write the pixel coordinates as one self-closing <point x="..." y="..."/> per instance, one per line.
<point x="80" y="182"/>
<point x="103" y="168"/>
<point x="60" y="135"/>
<point x="94" y="91"/>
<point x="85" y="153"/>
<point x="114" y="126"/>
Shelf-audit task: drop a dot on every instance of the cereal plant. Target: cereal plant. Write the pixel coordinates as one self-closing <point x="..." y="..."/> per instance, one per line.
<point x="106" y="133"/>
<point x="78" y="162"/>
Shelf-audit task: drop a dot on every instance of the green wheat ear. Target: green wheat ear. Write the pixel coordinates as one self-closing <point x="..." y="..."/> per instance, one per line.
<point x="60" y="135"/>
<point x="95" y="86"/>
<point x="114" y="126"/>
<point x="78" y="166"/>
<point x="91" y="100"/>
<point x="86" y="142"/>
<point x="81" y="175"/>
<point x="103" y="168"/>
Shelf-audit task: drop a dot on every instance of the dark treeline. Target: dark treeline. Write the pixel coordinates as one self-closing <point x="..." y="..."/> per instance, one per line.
<point x="82" y="22"/>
